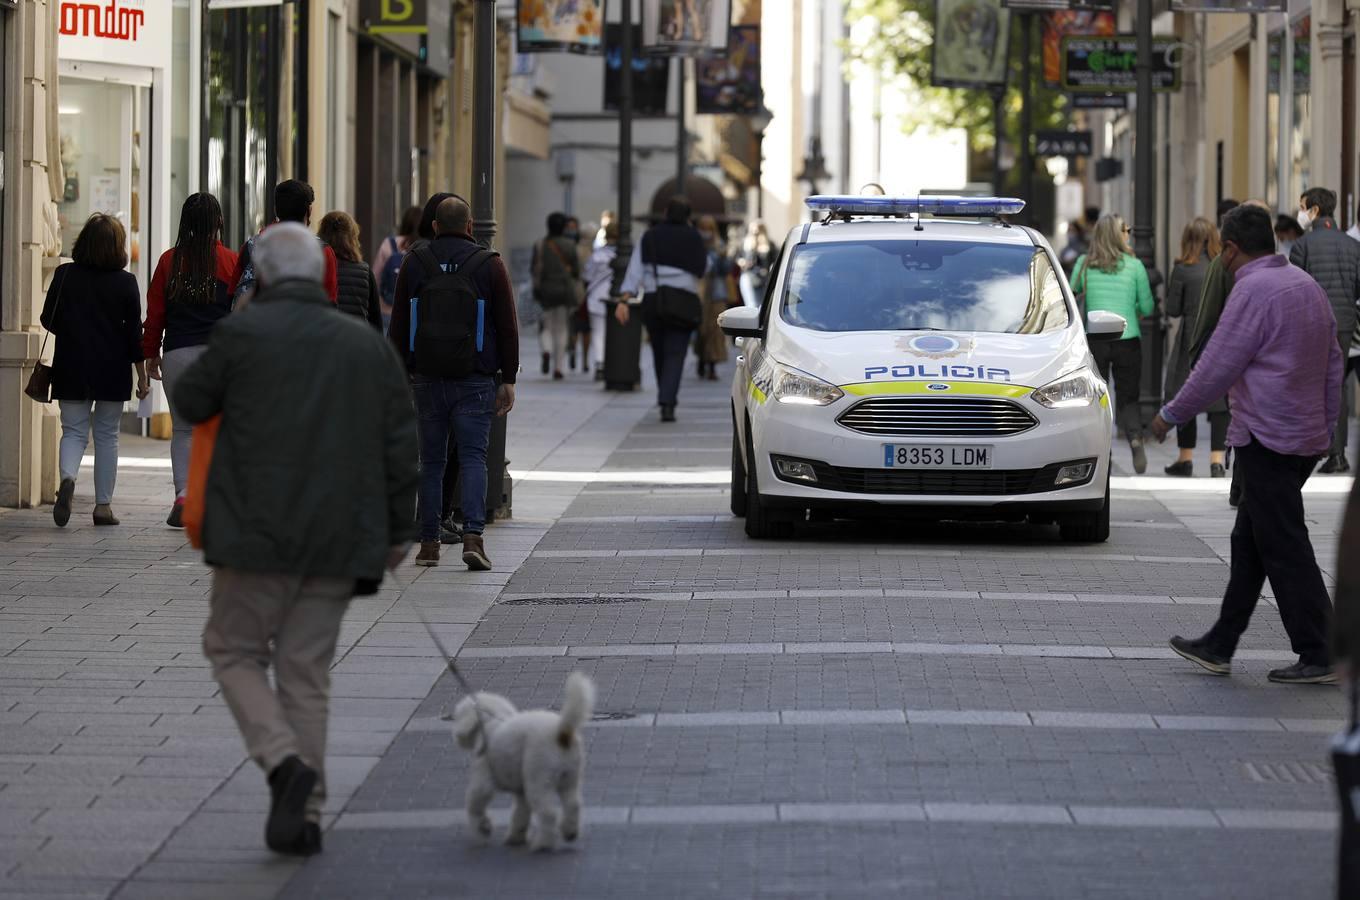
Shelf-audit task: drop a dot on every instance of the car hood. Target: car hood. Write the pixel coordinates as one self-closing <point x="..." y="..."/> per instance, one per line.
<point x="918" y="359"/>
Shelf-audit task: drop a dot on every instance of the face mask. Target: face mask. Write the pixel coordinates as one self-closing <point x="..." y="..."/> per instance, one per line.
<point x="1305" y="219"/>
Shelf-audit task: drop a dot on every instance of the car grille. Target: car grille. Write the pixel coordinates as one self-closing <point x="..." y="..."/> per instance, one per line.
<point x="995" y="482"/>
<point x="980" y="417"/>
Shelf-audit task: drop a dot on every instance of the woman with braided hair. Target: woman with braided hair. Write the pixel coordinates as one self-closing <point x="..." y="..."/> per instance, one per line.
<point x="189" y="293"/>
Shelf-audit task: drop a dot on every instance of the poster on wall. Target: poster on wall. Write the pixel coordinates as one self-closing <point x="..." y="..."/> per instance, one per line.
<point x="972" y="43"/>
<point x="1058" y="25"/>
<point x="651" y="76"/>
<point x="731" y="84"/>
<point x="685" y="27"/>
<point x="553" y="26"/>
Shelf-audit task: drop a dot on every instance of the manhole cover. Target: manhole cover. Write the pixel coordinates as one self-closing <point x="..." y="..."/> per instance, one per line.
<point x="1289" y="773"/>
<point x="572" y="601"/>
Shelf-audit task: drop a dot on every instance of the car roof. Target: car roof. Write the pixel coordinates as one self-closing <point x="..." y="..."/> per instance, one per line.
<point x="879" y="228"/>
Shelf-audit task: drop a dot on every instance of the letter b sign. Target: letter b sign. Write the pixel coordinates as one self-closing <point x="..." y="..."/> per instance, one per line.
<point x="397" y="12"/>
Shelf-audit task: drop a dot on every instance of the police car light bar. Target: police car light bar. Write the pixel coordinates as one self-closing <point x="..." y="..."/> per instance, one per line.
<point x="847" y="204"/>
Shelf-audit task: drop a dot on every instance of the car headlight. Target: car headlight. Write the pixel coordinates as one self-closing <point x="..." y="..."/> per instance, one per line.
<point x="1080" y="388"/>
<point x="794" y="387"/>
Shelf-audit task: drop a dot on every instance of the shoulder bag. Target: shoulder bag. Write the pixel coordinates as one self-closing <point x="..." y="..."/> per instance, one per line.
<point x="39" y="387"/>
<point x="676" y="308"/>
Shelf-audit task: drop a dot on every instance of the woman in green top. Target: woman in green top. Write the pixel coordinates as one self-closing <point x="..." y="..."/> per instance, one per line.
<point x="1113" y="279"/>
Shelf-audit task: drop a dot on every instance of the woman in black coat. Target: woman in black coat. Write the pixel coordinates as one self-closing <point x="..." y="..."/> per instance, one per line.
<point x="94" y="309"/>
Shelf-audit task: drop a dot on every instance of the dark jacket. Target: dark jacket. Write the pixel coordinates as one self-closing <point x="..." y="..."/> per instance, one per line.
<point x="1333" y="259"/>
<point x="1182" y="302"/>
<point x="1213" y="296"/>
<point x="500" y="352"/>
<point x="314" y="471"/>
<point x="678" y="246"/>
<point x="97" y="323"/>
<point x="556" y="271"/>
<point x="1346" y="627"/>
<point x="185" y="320"/>
<point x="358" y="294"/>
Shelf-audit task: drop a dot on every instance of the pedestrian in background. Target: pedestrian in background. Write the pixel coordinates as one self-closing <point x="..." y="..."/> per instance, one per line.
<point x="188" y="296"/>
<point x="308" y="501"/>
<point x="1199" y="244"/>
<point x="556" y="271"/>
<point x="756" y="260"/>
<point x="94" y="310"/>
<point x="1075" y="247"/>
<point x="1275" y="353"/>
<point x="601" y="237"/>
<point x="293" y="201"/>
<point x="671" y="257"/>
<point x="717" y="290"/>
<point x="457" y="406"/>
<point x="391" y="253"/>
<point x="578" y="332"/>
<point x="1334" y="261"/>
<point x="1113" y="279"/>
<point x="358" y="289"/>
<point x="599" y="278"/>
<point x="1287" y="232"/>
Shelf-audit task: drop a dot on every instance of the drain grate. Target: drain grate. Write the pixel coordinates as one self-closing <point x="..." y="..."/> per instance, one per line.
<point x="613" y="716"/>
<point x="588" y="600"/>
<point x="1289" y="773"/>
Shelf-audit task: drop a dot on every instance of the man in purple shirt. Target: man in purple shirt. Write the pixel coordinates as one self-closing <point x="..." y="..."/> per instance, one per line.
<point x="1275" y="354"/>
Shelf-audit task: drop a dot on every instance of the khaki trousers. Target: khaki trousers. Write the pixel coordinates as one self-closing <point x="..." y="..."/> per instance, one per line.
<point x="301" y="616"/>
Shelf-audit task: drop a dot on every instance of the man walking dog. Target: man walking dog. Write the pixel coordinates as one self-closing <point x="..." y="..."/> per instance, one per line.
<point x="308" y="500"/>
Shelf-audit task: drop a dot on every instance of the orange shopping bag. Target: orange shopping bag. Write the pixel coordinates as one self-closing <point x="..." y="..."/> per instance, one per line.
<point x="200" y="463"/>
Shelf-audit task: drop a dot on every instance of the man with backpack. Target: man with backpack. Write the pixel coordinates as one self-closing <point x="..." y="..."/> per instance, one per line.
<point x="556" y="270"/>
<point x="454" y="324"/>
<point x="292" y="203"/>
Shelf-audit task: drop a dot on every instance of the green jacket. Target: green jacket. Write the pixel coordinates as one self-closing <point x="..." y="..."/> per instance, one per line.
<point x="314" y="472"/>
<point x="1124" y="291"/>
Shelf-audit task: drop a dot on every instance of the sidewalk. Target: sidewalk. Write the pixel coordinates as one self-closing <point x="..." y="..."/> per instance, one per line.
<point x="121" y="772"/>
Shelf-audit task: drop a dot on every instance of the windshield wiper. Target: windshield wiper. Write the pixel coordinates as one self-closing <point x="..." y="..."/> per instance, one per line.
<point x="920" y="328"/>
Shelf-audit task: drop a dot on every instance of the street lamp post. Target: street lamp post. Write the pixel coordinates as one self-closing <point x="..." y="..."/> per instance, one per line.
<point x="999" y="127"/>
<point x="1144" y="196"/>
<point x="484" y="124"/>
<point x="623" y="343"/>
<point x="681" y="134"/>
<point x="759" y="121"/>
<point x="1026" y="114"/>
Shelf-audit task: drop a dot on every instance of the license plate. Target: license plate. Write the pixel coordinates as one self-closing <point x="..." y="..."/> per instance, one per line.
<point x="925" y="456"/>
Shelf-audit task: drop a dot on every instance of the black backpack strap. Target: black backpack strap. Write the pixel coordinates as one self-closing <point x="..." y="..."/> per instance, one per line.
<point x="474" y="262"/>
<point x="428" y="261"/>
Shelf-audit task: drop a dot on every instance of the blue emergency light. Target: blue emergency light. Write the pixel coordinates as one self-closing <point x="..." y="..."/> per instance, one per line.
<point x="848" y="204"/>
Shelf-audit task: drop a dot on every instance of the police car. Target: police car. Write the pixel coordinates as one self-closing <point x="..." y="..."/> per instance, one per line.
<point x="922" y="358"/>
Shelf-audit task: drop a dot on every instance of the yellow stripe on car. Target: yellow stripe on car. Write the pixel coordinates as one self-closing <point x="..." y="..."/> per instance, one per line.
<point x="973" y="388"/>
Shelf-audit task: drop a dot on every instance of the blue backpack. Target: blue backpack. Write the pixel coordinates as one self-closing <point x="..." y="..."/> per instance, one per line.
<point x="387" y="280"/>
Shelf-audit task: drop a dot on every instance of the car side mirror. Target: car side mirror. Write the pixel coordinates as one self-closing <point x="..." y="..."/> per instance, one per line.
<point x="740" y="322"/>
<point x="1104" y="326"/>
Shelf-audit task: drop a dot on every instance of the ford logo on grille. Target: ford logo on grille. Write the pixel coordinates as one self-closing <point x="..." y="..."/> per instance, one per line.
<point x="937" y="387"/>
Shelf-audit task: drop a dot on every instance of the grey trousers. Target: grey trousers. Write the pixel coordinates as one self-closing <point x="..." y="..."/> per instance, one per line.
<point x="301" y="616"/>
<point x="173" y="365"/>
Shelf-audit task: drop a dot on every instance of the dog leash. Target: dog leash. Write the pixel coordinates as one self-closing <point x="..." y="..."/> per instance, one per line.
<point x="448" y="660"/>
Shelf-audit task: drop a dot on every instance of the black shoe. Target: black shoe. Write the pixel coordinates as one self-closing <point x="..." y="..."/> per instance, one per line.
<point x="668" y="413"/>
<point x="61" y="511"/>
<point x="571" y="362"/>
<point x="547" y="362"/>
<point x="1183" y="469"/>
<point x="1216" y="470"/>
<point x="450" y="532"/>
<point x="1139" y="456"/>
<point x="290" y="785"/>
<point x="1303" y="673"/>
<point x="309" y="844"/>
<point x="1335" y="464"/>
<point x="1197" y="651"/>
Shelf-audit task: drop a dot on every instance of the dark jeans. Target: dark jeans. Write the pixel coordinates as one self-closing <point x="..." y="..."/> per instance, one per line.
<point x="464" y="408"/>
<point x="1187" y="435"/>
<point x="1121" y="364"/>
<point x="1270" y="540"/>
<point x="669" y="346"/>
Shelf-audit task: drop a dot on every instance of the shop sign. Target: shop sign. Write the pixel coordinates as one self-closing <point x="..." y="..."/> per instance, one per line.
<point x="1110" y="64"/>
<point x="1062" y="143"/>
<point x="1099" y="101"/>
<point x="395" y="16"/>
<point x="1230" y="6"/>
<point x="972" y="43"/>
<point x="121" y="32"/>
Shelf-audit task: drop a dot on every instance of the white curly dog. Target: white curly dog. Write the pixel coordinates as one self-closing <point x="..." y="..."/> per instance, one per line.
<point x="537" y="755"/>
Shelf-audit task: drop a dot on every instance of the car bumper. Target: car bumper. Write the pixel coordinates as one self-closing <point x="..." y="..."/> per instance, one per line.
<point x="851" y="473"/>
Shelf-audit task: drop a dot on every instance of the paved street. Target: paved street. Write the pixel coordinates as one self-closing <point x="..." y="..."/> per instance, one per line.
<point x="865" y="711"/>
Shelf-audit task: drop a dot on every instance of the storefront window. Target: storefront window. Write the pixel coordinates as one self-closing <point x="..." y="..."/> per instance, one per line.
<point x="250" y="123"/>
<point x="1302" y="131"/>
<point x="101" y="127"/>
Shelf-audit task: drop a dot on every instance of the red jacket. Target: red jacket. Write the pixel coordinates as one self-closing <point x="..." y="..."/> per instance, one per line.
<point x="331" y="281"/>
<point x="185" y="323"/>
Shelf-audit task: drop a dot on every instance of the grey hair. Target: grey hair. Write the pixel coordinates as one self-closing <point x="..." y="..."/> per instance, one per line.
<point x="288" y="251"/>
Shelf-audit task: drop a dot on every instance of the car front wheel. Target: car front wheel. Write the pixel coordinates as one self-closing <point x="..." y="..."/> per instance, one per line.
<point x="762" y="523"/>
<point x="738" y="490"/>
<point x="1088" y="527"/>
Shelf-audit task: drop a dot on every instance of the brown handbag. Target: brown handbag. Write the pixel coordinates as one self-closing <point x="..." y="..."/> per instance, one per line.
<point x="39" y="387"/>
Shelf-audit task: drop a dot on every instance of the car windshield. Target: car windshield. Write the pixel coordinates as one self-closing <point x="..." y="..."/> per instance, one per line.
<point x="911" y="285"/>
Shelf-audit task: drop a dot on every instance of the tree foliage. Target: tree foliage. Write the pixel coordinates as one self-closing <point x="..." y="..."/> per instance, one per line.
<point x="901" y="44"/>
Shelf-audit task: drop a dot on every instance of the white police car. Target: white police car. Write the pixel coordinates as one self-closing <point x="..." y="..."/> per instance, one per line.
<point x="919" y="358"/>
